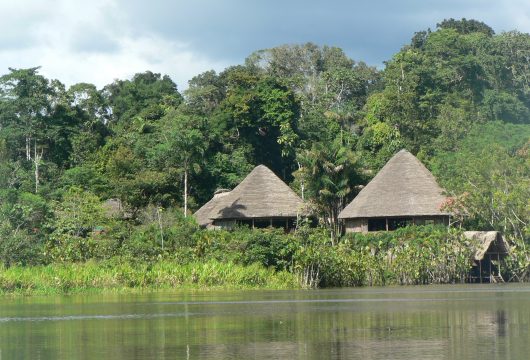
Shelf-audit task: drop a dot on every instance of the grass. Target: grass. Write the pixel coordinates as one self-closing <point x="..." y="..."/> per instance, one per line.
<point x="124" y="276"/>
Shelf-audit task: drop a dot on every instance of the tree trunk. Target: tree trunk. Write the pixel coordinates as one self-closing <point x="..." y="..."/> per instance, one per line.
<point x="36" y="176"/>
<point x="160" y="225"/>
<point x="333" y="225"/>
<point x="37" y="159"/>
<point x="28" y="148"/>
<point x="302" y="182"/>
<point x="185" y="193"/>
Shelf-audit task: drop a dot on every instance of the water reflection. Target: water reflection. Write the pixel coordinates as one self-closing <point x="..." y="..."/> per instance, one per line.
<point x="450" y="322"/>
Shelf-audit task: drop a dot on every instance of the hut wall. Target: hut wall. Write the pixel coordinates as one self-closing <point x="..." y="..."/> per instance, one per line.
<point x="431" y="220"/>
<point x="223" y="224"/>
<point x="356" y="225"/>
<point x="255" y="223"/>
<point x="361" y="225"/>
<point x="442" y="220"/>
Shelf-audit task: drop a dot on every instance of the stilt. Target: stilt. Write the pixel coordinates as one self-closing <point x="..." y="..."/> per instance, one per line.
<point x="499" y="262"/>
<point x="489" y="256"/>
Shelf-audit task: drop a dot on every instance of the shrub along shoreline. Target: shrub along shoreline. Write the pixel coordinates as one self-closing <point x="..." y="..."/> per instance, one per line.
<point x="249" y="259"/>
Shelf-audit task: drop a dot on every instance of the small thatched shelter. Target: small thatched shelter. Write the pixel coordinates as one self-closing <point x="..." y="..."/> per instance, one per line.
<point x="261" y="200"/>
<point x="490" y="249"/>
<point x="403" y="192"/>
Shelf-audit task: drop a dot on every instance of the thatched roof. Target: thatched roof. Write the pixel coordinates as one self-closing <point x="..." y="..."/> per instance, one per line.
<point x="260" y="195"/>
<point x="203" y="214"/>
<point x="403" y="187"/>
<point x="487" y="240"/>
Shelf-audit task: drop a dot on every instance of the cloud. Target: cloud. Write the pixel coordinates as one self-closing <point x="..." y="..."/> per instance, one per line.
<point x="94" y="42"/>
<point x="517" y="12"/>
<point x="367" y="30"/>
<point x="101" y="40"/>
<point x="128" y="56"/>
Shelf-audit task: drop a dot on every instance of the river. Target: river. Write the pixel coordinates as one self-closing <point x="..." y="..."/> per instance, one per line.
<point x="428" y="322"/>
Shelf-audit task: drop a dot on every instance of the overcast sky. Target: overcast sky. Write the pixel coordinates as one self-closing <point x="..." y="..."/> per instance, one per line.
<point x="98" y="41"/>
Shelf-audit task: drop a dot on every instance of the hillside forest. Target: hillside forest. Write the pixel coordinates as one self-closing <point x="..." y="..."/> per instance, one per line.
<point x="457" y="97"/>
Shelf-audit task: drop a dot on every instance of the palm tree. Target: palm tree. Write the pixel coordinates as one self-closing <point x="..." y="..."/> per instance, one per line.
<point x="329" y="172"/>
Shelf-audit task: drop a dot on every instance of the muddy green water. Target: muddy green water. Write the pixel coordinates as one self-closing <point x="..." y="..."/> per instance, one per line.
<point x="446" y="322"/>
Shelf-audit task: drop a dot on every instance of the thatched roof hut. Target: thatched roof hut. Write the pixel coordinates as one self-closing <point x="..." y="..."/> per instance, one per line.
<point x="260" y="196"/>
<point x="403" y="188"/>
<point x="487" y="242"/>
<point x="489" y="250"/>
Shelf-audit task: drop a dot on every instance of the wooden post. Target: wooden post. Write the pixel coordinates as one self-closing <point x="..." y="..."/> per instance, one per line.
<point x="386" y="221"/>
<point x="490" y="265"/>
<point x="252" y="224"/>
<point x="499" y="261"/>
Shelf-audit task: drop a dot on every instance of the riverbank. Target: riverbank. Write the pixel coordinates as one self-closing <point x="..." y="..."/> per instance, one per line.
<point x="253" y="259"/>
<point x="124" y="276"/>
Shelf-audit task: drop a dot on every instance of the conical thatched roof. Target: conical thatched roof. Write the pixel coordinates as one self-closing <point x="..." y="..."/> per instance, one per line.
<point x="403" y="187"/>
<point x="260" y="195"/>
<point x="203" y="214"/>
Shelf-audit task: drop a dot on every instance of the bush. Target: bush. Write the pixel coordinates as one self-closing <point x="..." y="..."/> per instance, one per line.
<point x="267" y="247"/>
<point x="412" y="255"/>
<point x="162" y="233"/>
<point x="19" y="248"/>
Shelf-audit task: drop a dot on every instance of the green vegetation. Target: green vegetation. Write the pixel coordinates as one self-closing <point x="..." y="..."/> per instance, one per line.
<point x="408" y="256"/>
<point x="251" y="259"/>
<point x="122" y="276"/>
<point x="456" y="97"/>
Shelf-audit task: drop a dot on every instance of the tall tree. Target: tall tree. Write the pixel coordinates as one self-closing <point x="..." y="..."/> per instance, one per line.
<point x="27" y="101"/>
<point x="183" y="146"/>
<point x="465" y="26"/>
<point x="327" y="81"/>
<point x="146" y="93"/>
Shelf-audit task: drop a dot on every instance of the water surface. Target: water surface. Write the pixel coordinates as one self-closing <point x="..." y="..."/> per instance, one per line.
<point x="446" y="322"/>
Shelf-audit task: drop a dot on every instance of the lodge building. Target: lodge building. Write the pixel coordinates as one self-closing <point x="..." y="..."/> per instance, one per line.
<point x="402" y="193"/>
<point x="261" y="200"/>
